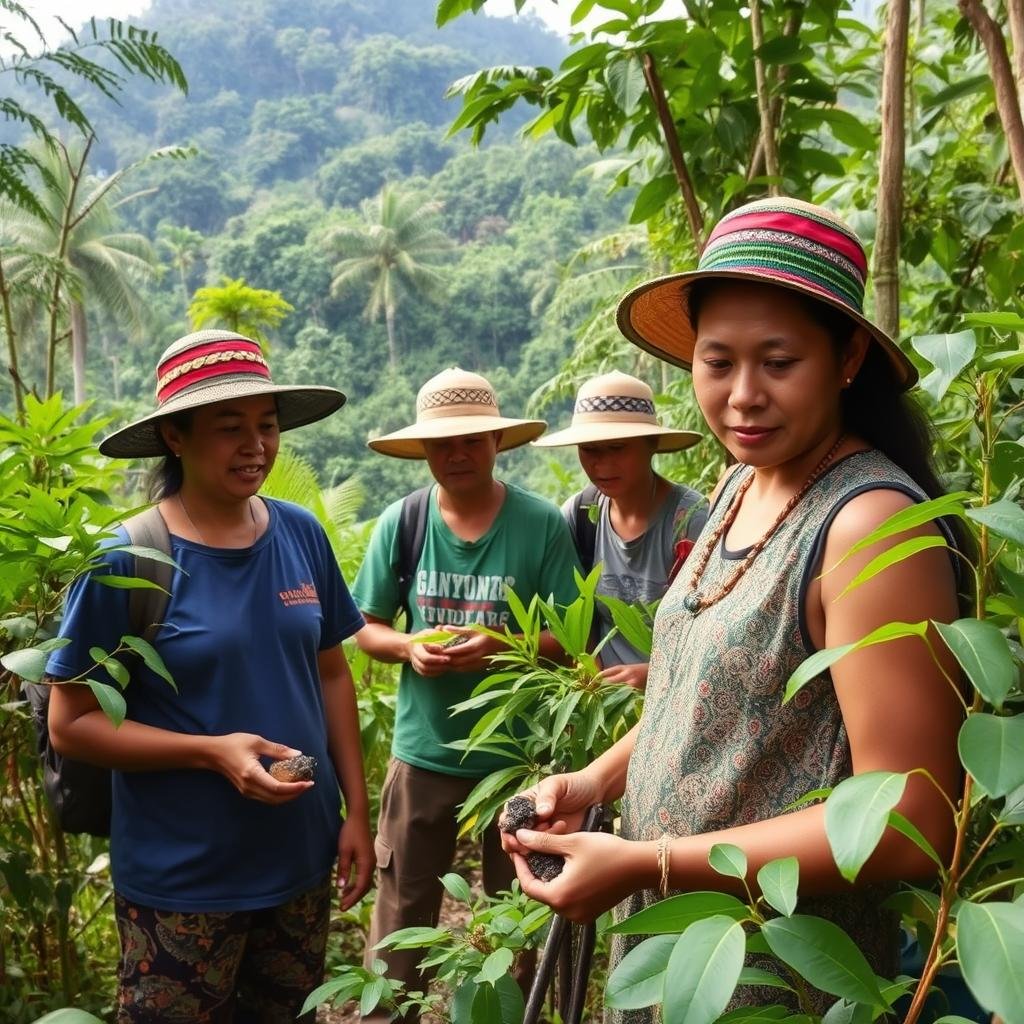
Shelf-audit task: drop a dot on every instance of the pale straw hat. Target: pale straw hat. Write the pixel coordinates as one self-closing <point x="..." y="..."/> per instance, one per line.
<point x="616" y="407"/>
<point x="453" y="404"/>
<point x="215" y="366"/>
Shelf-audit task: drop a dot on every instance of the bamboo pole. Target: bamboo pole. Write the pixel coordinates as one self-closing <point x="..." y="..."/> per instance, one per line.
<point x="764" y="106"/>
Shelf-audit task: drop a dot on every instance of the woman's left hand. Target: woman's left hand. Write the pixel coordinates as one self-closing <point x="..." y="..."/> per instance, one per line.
<point x="627" y="675"/>
<point x="355" y="855"/>
<point x="473" y="654"/>
<point x="600" y="870"/>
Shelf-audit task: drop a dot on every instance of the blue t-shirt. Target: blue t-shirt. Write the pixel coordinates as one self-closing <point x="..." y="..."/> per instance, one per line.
<point x="241" y="637"/>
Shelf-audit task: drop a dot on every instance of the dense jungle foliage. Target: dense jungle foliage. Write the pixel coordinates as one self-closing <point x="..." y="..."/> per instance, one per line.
<point x="528" y="181"/>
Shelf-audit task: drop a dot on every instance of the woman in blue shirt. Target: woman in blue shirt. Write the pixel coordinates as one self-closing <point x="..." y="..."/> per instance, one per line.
<point x="221" y="869"/>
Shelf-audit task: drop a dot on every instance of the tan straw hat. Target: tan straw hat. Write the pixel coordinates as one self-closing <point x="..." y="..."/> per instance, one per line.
<point x="783" y="242"/>
<point x="453" y="404"/>
<point x="614" y="407"/>
<point x="214" y="366"/>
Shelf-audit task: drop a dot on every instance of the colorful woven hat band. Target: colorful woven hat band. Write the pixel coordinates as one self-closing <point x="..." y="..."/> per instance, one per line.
<point x="813" y="252"/>
<point x="199" y="363"/>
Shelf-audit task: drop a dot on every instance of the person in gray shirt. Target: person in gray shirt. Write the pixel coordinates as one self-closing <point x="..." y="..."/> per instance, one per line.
<point x="636" y="524"/>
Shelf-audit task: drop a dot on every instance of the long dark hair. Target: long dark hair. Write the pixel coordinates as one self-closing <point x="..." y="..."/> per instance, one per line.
<point x="167" y="477"/>
<point x="874" y="406"/>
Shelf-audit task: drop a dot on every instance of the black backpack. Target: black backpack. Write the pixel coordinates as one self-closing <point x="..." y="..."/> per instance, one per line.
<point x="80" y="793"/>
<point x="583" y="525"/>
<point x="412" y="531"/>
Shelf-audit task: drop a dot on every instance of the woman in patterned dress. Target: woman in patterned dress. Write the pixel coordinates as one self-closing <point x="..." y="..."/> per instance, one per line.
<point x="808" y="396"/>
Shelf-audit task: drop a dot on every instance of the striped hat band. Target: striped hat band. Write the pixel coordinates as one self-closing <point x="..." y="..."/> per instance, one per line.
<point x="206" y="362"/>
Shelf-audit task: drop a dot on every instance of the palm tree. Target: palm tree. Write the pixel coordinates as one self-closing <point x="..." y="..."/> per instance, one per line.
<point x="236" y="306"/>
<point x="183" y="247"/>
<point x="392" y="254"/>
<point x="69" y="257"/>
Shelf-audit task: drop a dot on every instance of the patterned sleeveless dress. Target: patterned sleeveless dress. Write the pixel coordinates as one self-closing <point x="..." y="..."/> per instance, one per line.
<point x="716" y="746"/>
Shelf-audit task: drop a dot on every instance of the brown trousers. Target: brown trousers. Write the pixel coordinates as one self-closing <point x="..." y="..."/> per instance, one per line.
<point x="415" y="846"/>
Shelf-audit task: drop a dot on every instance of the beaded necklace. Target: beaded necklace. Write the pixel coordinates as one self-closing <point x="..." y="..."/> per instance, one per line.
<point x="695" y="601"/>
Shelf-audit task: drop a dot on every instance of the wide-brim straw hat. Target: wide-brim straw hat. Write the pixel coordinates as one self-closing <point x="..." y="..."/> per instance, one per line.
<point x="616" y="407"/>
<point x="453" y="404"/>
<point x="784" y="242"/>
<point x="206" y="367"/>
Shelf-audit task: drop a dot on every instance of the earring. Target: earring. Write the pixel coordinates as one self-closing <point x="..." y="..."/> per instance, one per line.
<point x="849" y="381"/>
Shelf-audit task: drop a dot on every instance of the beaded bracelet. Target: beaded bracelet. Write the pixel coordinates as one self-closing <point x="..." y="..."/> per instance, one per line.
<point x="664" y="862"/>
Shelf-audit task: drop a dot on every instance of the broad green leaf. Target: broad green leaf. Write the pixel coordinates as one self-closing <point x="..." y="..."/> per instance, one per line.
<point x="1003" y="517"/>
<point x="779" y="880"/>
<point x="984" y="655"/>
<point x="626" y="82"/>
<point x="703" y="970"/>
<point x="639" y="979"/>
<point x="152" y="660"/>
<point x="905" y="549"/>
<point x="1013" y="808"/>
<point x="949" y="354"/>
<point x="856" y="814"/>
<point x="910" y="517"/>
<point x="370" y="997"/>
<point x="954" y="1019"/>
<point x="458" y="887"/>
<point x="728" y="860"/>
<point x="756" y="1015"/>
<point x="510" y="1000"/>
<point x="110" y="701"/>
<point x="990" y="948"/>
<point x="907" y="828"/>
<point x="677" y="913"/>
<point x="757" y="976"/>
<point x="152" y="554"/>
<point x="486" y="1008"/>
<point x="1005" y="321"/>
<point x="821" y="660"/>
<point x="651" y="199"/>
<point x="825" y="955"/>
<point x="1007" y="462"/>
<point x="992" y="750"/>
<point x="30" y="662"/>
<point x="117" y="672"/>
<point x="495" y="965"/>
<point x="412" y="938"/>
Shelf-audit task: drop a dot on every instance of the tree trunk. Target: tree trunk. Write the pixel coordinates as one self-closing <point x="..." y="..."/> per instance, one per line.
<point x="1007" y="101"/>
<point x="1015" y="18"/>
<point x="79" y="342"/>
<point x="12" y="347"/>
<point x="668" y="127"/>
<point x="389" y="320"/>
<point x="764" y="105"/>
<point x="886" y="257"/>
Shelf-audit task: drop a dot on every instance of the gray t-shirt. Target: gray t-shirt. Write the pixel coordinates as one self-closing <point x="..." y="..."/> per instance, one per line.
<point x="636" y="571"/>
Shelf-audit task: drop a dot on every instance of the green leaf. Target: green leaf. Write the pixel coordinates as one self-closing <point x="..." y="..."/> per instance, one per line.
<point x="728" y="860"/>
<point x="458" y="887"/>
<point x="825" y="955"/>
<point x="152" y="660"/>
<point x="496" y="964"/>
<point x="639" y="979"/>
<point x="68" y="1016"/>
<point x="30" y="662"/>
<point x="911" y="517"/>
<point x="992" y="750"/>
<point x="856" y="814"/>
<point x="905" y="549"/>
<point x="1013" y="808"/>
<point x="510" y="1000"/>
<point x="110" y="701"/>
<point x="757" y="976"/>
<point x="983" y="654"/>
<point x="1004" y="321"/>
<point x="117" y="672"/>
<point x="677" y="913"/>
<point x="1007" y="459"/>
<point x="703" y="971"/>
<point x="784" y="50"/>
<point x="126" y="582"/>
<point x="949" y="354"/>
<point x="412" y="938"/>
<point x="626" y="82"/>
<point x="651" y="199"/>
<point x="960" y="88"/>
<point x="821" y="660"/>
<point x="907" y="828"/>
<point x="990" y="948"/>
<point x="371" y="994"/>
<point x="778" y="880"/>
<point x="1003" y="517"/>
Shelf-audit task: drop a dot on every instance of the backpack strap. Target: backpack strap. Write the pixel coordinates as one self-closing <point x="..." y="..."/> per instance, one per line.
<point x="146" y="606"/>
<point x="412" y="532"/>
<point x="584" y="529"/>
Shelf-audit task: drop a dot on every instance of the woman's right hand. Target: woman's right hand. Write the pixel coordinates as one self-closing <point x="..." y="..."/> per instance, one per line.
<point x="237" y="757"/>
<point x="562" y="802"/>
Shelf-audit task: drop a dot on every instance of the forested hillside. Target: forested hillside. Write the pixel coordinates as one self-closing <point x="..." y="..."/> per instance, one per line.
<point x="298" y="115"/>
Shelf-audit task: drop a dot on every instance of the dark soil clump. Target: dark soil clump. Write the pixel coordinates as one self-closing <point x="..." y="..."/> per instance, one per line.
<point x="521" y="812"/>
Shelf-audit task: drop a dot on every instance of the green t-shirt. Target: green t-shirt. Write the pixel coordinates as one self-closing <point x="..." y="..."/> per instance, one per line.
<point x="462" y="583"/>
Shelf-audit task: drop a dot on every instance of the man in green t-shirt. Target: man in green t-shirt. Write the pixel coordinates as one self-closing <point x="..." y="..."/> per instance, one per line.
<point x="482" y="537"/>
